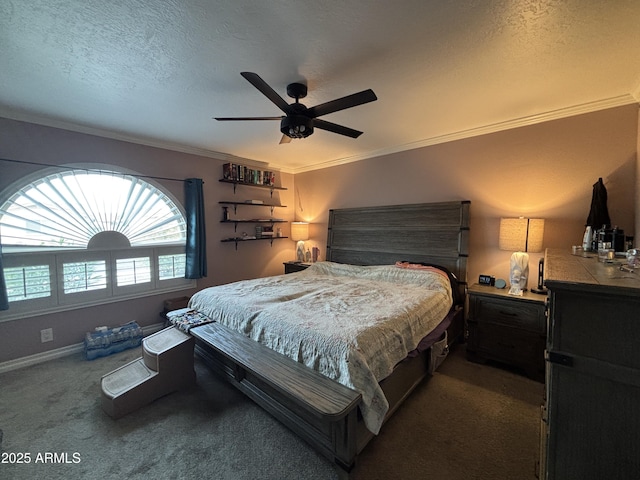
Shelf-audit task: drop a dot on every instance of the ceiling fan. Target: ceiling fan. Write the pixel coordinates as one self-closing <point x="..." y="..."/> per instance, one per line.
<point x="299" y="121"/>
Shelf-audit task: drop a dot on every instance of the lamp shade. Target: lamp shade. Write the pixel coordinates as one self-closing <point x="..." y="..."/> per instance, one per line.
<point x="521" y="234"/>
<point x="299" y="231"/>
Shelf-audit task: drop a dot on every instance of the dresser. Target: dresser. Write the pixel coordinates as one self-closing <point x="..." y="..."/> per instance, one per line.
<point x="591" y="416"/>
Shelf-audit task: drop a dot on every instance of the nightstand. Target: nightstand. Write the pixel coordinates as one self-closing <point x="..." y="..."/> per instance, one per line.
<point x="507" y="328"/>
<point x="291" y="267"/>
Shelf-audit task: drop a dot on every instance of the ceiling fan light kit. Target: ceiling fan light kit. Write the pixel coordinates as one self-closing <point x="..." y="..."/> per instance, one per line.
<point x="296" y="126"/>
<point x="300" y="121"/>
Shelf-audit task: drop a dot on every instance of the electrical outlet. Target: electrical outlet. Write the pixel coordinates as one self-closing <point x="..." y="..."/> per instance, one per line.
<point x="46" y="335"/>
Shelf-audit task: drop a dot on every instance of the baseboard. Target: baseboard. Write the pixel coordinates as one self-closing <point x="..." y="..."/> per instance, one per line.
<point x="30" y="360"/>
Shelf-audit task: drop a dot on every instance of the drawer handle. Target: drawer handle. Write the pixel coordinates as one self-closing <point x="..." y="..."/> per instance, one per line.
<point x="509" y="314"/>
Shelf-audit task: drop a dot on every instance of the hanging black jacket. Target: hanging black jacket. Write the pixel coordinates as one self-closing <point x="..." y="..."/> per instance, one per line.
<point x="599" y="214"/>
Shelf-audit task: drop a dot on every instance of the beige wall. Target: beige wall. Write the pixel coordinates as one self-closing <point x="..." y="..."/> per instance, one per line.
<point x="544" y="170"/>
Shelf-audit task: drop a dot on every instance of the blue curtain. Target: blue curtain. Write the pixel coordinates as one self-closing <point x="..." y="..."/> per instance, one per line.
<point x="196" y="238"/>
<point x="4" y="300"/>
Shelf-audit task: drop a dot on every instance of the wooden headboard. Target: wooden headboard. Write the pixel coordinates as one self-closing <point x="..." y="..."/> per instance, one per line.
<point x="426" y="232"/>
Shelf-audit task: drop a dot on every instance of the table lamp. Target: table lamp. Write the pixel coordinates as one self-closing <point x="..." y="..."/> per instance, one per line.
<point x="520" y="235"/>
<point x="299" y="233"/>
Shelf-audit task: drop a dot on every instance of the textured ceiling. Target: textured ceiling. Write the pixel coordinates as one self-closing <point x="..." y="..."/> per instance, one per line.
<point x="157" y="71"/>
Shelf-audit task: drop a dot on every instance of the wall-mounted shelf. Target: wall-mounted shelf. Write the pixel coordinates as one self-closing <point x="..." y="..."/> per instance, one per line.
<point x="272" y="206"/>
<point x="248" y="184"/>
<point x="255" y="220"/>
<point x="228" y="202"/>
<point x="270" y="221"/>
<point x="251" y="239"/>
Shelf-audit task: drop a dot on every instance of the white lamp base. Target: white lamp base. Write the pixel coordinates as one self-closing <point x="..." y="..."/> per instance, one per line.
<point x="300" y="251"/>
<point x="519" y="273"/>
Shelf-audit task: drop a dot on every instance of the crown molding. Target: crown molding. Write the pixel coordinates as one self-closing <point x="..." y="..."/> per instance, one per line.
<point x="636" y="94"/>
<point x="589" y="107"/>
<point x="113" y="135"/>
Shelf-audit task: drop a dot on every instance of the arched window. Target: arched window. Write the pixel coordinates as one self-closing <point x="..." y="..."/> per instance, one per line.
<point x="78" y="237"/>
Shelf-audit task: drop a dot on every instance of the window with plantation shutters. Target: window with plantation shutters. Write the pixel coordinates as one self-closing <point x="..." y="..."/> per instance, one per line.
<point x="76" y="237"/>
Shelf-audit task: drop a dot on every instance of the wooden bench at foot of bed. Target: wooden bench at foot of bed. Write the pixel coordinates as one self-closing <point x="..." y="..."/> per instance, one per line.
<point x="319" y="410"/>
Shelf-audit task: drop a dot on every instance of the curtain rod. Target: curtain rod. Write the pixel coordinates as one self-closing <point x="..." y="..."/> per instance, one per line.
<point x="92" y="170"/>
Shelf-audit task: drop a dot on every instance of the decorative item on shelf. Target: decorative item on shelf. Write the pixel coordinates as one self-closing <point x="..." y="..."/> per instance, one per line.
<point x="225" y="214"/>
<point x="520" y="235"/>
<point x="300" y="234"/>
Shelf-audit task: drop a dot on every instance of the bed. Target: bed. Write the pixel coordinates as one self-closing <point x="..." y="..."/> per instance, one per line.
<point x="389" y="271"/>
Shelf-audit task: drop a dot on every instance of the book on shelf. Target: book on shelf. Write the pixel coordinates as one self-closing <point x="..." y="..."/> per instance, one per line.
<point x="244" y="174"/>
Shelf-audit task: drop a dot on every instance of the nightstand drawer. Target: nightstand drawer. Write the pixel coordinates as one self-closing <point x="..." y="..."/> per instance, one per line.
<point x="508" y="313"/>
<point x="292" y="267"/>
<point x="510" y="345"/>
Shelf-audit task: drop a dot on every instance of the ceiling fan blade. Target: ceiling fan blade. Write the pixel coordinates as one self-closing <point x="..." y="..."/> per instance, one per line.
<point x="267" y="91"/>
<point x="335" y="128"/>
<point x="227" y="119"/>
<point x="285" y="139"/>
<point x="349" y="101"/>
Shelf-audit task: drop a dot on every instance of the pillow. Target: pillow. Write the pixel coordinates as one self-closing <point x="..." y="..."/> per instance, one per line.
<point x="435" y="268"/>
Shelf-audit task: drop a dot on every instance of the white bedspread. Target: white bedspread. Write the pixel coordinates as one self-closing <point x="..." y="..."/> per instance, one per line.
<point x="350" y="323"/>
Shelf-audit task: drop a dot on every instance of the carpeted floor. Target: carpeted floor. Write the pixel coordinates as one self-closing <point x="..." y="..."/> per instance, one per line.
<point x="467" y="422"/>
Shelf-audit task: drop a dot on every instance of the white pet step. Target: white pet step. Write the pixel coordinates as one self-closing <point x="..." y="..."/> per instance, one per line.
<point x="166" y="366"/>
